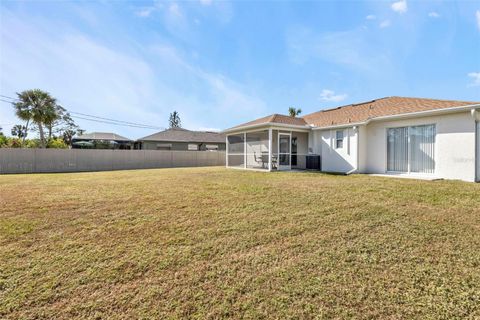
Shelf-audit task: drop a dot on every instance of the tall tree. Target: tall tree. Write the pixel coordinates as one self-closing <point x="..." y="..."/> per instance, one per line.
<point x="62" y="123"/>
<point x="18" y="131"/>
<point x="293" y="112"/>
<point x="37" y="107"/>
<point x="68" y="135"/>
<point x="174" y="120"/>
<point x="23" y="113"/>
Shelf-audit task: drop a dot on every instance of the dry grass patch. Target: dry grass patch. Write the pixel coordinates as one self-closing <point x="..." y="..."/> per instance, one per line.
<point x="217" y="243"/>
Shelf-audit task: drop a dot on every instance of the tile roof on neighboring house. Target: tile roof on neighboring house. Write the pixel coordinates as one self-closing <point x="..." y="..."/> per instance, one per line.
<point x="184" y="135"/>
<point x="274" y="119"/>
<point x="101" y="136"/>
<point x="360" y="112"/>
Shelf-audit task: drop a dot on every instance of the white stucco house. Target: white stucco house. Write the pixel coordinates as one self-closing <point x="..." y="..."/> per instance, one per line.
<point x="410" y="137"/>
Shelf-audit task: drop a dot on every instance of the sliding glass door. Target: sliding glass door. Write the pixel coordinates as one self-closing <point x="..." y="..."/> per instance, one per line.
<point x="411" y="149"/>
<point x="397" y="150"/>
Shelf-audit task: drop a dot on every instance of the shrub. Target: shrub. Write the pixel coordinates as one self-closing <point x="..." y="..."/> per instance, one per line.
<point x="3" y="140"/>
<point x="14" y="143"/>
<point x="32" y="143"/>
<point x="57" y="143"/>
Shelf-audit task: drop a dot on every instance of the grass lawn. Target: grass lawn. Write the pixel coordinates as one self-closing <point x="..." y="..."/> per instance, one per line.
<point x="216" y="243"/>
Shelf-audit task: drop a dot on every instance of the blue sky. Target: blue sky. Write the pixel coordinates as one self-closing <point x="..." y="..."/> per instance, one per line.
<point x="223" y="63"/>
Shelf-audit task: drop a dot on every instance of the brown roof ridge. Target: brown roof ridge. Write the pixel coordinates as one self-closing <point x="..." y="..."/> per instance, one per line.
<point x="387" y="106"/>
<point x="384" y="98"/>
<point x="348" y="105"/>
<point x="433" y="99"/>
<point x="276" y="115"/>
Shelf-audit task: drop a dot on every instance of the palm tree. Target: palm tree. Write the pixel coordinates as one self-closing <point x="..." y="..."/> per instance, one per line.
<point x="293" y="112"/>
<point x="174" y="120"/>
<point x="18" y="131"/>
<point x="37" y="107"/>
<point x="23" y="113"/>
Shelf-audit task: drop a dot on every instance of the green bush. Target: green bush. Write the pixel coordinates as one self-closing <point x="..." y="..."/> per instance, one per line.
<point x="14" y="143"/>
<point x="57" y="143"/>
<point x="3" y="141"/>
<point x="10" y="142"/>
<point x="32" y="143"/>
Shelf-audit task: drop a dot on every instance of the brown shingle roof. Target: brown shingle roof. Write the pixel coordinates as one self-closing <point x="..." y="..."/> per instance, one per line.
<point x="184" y="135"/>
<point x="274" y="118"/>
<point x="361" y="112"/>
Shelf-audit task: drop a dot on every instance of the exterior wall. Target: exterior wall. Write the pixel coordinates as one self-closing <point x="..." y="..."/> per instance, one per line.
<point x="478" y="148"/>
<point x="362" y="148"/>
<point x="337" y="160"/>
<point x="179" y="146"/>
<point x="454" y="145"/>
<point x="455" y="151"/>
<point x="76" y="160"/>
<point x="314" y="142"/>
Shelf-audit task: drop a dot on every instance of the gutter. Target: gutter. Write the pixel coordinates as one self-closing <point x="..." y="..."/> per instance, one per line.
<point x="178" y="141"/>
<point x="476" y="114"/>
<point x="351" y="171"/>
<point x="267" y="125"/>
<point x="345" y="125"/>
<point x="428" y="112"/>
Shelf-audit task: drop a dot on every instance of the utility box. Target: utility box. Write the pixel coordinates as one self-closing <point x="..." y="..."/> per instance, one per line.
<point x="314" y="162"/>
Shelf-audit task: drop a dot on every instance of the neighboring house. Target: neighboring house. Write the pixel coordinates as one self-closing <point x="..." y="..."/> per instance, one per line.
<point x="394" y="135"/>
<point x="182" y="139"/>
<point x="101" y="140"/>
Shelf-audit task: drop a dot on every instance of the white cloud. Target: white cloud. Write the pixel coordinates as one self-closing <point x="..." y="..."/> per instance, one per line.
<point x="147" y="11"/>
<point x="137" y="84"/>
<point x="385" y="24"/>
<point x="174" y="9"/>
<point x="400" y="6"/>
<point x="330" y="96"/>
<point x="433" y="14"/>
<point x="477" y="15"/>
<point x="371" y="17"/>
<point x="144" y="12"/>
<point x="475" y="79"/>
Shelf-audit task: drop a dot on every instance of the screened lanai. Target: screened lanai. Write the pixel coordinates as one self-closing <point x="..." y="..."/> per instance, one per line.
<point x="267" y="149"/>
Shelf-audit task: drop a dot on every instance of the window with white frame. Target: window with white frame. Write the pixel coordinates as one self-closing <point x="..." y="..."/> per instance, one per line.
<point x="211" y="147"/>
<point x="339" y="136"/>
<point x="192" y="147"/>
<point x="164" y="146"/>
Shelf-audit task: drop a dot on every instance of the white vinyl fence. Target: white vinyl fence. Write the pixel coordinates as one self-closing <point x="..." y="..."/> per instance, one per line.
<point x="76" y="160"/>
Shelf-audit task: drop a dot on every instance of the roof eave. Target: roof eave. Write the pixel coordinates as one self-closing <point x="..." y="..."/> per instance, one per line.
<point x="402" y="116"/>
<point x="181" y="141"/>
<point x="266" y="125"/>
